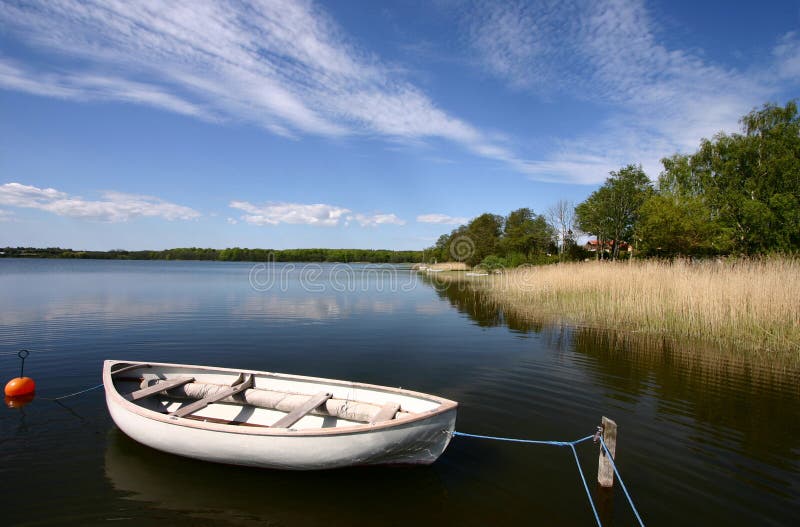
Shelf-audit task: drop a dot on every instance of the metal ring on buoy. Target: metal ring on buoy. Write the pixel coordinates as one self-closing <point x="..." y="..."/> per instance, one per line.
<point x="20" y="386"/>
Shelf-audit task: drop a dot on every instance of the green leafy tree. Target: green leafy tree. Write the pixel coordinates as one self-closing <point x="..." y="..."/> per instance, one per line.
<point x="677" y="220"/>
<point x="679" y="178"/>
<point x="526" y="233"/>
<point x="439" y="251"/>
<point x="752" y="180"/>
<point x="456" y="249"/>
<point x="493" y="262"/>
<point x="591" y="217"/>
<point x="483" y="233"/>
<point x="612" y="211"/>
<point x="671" y="226"/>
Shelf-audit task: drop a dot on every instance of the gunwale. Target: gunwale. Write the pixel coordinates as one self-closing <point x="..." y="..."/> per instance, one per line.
<point x="112" y="395"/>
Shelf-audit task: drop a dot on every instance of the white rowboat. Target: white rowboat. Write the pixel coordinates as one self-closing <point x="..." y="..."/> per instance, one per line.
<point x="274" y="420"/>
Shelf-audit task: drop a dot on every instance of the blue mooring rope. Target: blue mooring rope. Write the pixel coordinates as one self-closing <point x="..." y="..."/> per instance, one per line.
<point x="73" y="394"/>
<point x="570" y="444"/>
<point x="531" y="441"/>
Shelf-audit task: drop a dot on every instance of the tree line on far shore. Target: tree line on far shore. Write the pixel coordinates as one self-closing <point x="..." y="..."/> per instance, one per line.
<point x="738" y="194"/>
<point x="234" y="254"/>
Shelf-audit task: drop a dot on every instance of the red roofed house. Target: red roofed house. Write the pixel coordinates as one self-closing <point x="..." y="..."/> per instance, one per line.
<point x="608" y="246"/>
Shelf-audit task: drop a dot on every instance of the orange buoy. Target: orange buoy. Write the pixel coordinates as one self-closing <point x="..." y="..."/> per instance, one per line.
<point x="20" y="386"/>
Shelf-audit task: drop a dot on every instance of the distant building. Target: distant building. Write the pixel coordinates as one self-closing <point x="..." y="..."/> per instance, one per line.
<point x="608" y="246"/>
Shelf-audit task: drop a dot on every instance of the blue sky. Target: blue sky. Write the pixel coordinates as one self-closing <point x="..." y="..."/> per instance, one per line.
<point x="147" y="125"/>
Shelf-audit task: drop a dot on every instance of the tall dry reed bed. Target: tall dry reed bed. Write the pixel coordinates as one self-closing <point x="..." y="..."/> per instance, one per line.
<point x="744" y="305"/>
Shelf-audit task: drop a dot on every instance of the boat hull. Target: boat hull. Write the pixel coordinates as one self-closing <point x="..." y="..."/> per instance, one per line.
<point x="406" y="441"/>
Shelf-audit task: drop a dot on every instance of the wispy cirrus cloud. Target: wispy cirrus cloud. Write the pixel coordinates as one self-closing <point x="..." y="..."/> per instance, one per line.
<point x="284" y="65"/>
<point x="442" y="219"/>
<point x="287" y="66"/>
<point x="660" y="99"/>
<point x="523" y="43"/>
<point x="787" y="55"/>
<point x="316" y="214"/>
<point x="93" y="87"/>
<point x="114" y="207"/>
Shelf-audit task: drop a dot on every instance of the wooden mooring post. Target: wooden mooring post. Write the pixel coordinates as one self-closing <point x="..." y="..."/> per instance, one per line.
<point x="605" y="471"/>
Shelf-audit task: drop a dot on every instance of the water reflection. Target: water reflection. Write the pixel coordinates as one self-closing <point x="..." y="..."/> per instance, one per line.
<point x="121" y="296"/>
<point x="484" y="312"/>
<point x="736" y="400"/>
<point x="715" y="424"/>
<point x="242" y="496"/>
<point x="277" y="309"/>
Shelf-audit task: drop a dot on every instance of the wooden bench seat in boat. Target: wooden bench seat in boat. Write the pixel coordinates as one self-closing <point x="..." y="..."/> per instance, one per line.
<point x="240" y="386"/>
<point x="301" y="411"/>
<point x="158" y="388"/>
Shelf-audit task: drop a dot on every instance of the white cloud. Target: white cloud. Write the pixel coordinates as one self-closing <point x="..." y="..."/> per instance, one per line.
<point x="661" y="99"/>
<point x="373" y="220"/>
<point x="115" y="207"/>
<point x="85" y="87"/>
<point x="6" y="215"/>
<point x="442" y="219"/>
<point x="286" y="66"/>
<point x="317" y="214"/>
<point x="521" y="43"/>
<point x="283" y="65"/>
<point x="232" y="221"/>
<point x="787" y="55"/>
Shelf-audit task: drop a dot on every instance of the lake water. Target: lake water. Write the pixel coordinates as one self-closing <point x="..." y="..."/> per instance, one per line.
<point x="702" y="440"/>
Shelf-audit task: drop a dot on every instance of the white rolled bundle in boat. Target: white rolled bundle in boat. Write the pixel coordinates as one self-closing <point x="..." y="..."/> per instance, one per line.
<point x="281" y="401"/>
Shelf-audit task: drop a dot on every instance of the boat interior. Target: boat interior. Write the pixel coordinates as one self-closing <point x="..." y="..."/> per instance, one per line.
<point x="266" y="400"/>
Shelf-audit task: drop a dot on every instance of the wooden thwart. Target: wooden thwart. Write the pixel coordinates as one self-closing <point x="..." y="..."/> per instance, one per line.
<point x="386" y="413"/>
<point x="158" y="387"/>
<point x="202" y="403"/>
<point x="605" y="470"/>
<point x="301" y="411"/>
